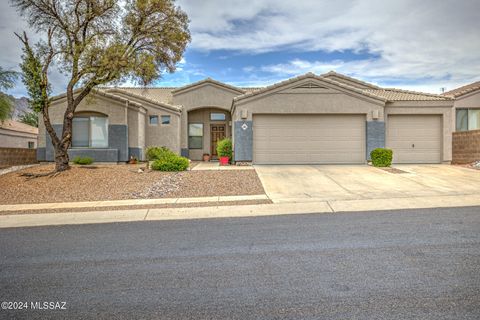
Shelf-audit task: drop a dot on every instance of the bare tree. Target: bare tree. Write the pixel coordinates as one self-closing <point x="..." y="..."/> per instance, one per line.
<point x="96" y="42"/>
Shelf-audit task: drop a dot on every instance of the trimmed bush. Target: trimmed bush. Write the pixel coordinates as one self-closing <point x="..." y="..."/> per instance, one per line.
<point x="166" y="160"/>
<point x="224" y="148"/>
<point x="381" y="157"/>
<point x="82" y="160"/>
<point x="171" y="163"/>
<point x="158" y="153"/>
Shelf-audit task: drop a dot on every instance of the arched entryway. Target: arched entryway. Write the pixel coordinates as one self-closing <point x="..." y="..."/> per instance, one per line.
<point x="206" y="126"/>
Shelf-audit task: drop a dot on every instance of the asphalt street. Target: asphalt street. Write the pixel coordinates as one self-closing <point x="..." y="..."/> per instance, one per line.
<point x="411" y="264"/>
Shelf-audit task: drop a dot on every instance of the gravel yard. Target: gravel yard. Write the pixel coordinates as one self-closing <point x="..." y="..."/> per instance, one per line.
<point x="119" y="182"/>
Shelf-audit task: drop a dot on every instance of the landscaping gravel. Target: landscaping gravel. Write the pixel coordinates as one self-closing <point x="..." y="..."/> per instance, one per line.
<point x="119" y="182"/>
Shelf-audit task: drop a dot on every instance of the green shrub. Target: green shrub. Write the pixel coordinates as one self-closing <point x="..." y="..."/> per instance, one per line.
<point x="157" y="153"/>
<point x="224" y="148"/>
<point x="82" y="160"/>
<point x="381" y="157"/>
<point x="171" y="163"/>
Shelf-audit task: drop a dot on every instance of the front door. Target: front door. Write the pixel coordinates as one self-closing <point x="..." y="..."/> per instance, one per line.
<point x="217" y="132"/>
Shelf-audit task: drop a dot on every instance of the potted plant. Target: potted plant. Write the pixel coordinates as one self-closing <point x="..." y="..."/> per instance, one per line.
<point x="133" y="160"/>
<point x="206" y="157"/>
<point x="224" y="151"/>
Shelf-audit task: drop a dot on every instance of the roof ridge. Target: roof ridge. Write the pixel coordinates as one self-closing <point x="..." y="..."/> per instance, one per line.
<point x="333" y="73"/>
<point x="412" y="92"/>
<point x="206" y="80"/>
<point x="306" y="76"/>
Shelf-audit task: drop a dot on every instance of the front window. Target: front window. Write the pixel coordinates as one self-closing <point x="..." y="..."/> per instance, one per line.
<point x="195" y="136"/>
<point x="31" y="145"/>
<point x="217" y="116"/>
<point x="90" y="132"/>
<point x="165" y="119"/>
<point x="154" y="120"/>
<point x="467" y="119"/>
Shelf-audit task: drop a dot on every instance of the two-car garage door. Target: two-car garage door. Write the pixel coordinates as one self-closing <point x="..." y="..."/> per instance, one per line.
<point x="308" y="139"/>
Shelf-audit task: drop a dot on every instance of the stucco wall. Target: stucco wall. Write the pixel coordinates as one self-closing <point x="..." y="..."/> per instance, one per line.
<point x="471" y="100"/>
<point x="443" y="108"/>
<point x="15" y="139"/>
<point x="203" y="116"/>
<point x="162" y="135"/>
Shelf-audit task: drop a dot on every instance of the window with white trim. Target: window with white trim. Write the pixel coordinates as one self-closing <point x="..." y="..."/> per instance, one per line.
<point x="467" y="119"/>
<point x="90" y="132"/>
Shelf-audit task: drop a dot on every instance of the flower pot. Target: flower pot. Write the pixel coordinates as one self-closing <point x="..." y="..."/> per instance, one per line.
<point x="206" y="157"/>
<point x="224" y="161"/>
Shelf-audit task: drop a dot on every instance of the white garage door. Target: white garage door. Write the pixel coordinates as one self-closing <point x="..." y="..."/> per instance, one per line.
<point x="308" y="139"/>
<point x="415" y="138"/>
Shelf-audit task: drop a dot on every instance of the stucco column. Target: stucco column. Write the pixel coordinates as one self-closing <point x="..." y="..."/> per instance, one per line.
<point x="184" y="133"/>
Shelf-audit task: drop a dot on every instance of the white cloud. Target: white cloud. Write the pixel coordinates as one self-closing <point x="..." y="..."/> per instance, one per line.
<point x="413" y="39"/>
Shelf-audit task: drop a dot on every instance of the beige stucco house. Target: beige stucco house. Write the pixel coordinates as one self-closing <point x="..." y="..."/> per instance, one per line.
<point x="314" y="119"/>
<point x="14" y="134"/>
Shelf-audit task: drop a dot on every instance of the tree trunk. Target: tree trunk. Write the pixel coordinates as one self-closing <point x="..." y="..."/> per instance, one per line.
<point x="61" y="159"/>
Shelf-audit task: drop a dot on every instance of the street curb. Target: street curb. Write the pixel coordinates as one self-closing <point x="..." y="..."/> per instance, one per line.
<point x="126" y="203"/>
<point x="29" y="220"/>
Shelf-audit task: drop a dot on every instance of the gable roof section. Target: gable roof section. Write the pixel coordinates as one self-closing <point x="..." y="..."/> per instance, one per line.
<point x="463" y="90"/>
<point x="309" y="76"/>
<point x="160" y="94"/>
<point x="349" y="80"/>
<point x="146" y="98"/>
<point x="207" y="81"/>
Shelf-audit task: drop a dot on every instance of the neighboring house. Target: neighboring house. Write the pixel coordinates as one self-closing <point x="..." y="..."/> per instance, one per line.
<point x="311" y="119"/>
<point x="14" y="134"/>
<point x="467" y="106"/>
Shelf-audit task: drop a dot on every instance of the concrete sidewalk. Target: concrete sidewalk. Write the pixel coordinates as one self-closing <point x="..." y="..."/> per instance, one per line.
<point x="9" y="221"/>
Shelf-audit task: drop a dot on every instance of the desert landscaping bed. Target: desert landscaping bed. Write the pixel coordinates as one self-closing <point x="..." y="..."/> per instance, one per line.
<point x="120" y="182"/>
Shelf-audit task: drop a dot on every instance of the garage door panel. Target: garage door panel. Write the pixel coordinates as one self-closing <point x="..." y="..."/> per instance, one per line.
<point x="290" y="139"/>
<point x="415" y="138"/>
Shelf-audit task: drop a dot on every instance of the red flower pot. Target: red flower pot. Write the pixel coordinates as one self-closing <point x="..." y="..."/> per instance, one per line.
<point x="224" y="161"/>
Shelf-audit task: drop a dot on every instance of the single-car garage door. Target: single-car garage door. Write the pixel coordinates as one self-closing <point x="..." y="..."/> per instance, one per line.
<point x="308" y="139"/>
<point x="415" y="138"/>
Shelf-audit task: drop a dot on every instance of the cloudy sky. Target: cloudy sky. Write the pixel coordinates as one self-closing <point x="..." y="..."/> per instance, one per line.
<point x="418" y="45"/>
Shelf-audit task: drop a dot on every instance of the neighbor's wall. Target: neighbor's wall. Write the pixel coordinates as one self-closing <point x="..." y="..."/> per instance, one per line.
<point x="466" y="146"/>
<point x="17" y="156"/>
<point x="16" y="139"/>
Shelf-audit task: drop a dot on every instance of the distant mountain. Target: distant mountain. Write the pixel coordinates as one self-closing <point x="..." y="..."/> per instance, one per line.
<point x="20" y="106"/>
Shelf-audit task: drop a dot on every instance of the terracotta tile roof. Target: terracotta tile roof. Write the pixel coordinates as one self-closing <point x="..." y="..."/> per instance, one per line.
<point x="463" y="90"/>
<point x="392" y="94"/>
<point x="18" y="126"/>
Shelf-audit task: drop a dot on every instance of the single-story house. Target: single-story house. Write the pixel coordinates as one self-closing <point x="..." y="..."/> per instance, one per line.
<point x="467" y="106"/>
<point x="14" y="134"/>
<point x="309" y="119"/>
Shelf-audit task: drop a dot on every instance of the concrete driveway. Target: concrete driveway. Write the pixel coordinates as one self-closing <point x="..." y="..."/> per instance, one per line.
<point x="305" y="183"/>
